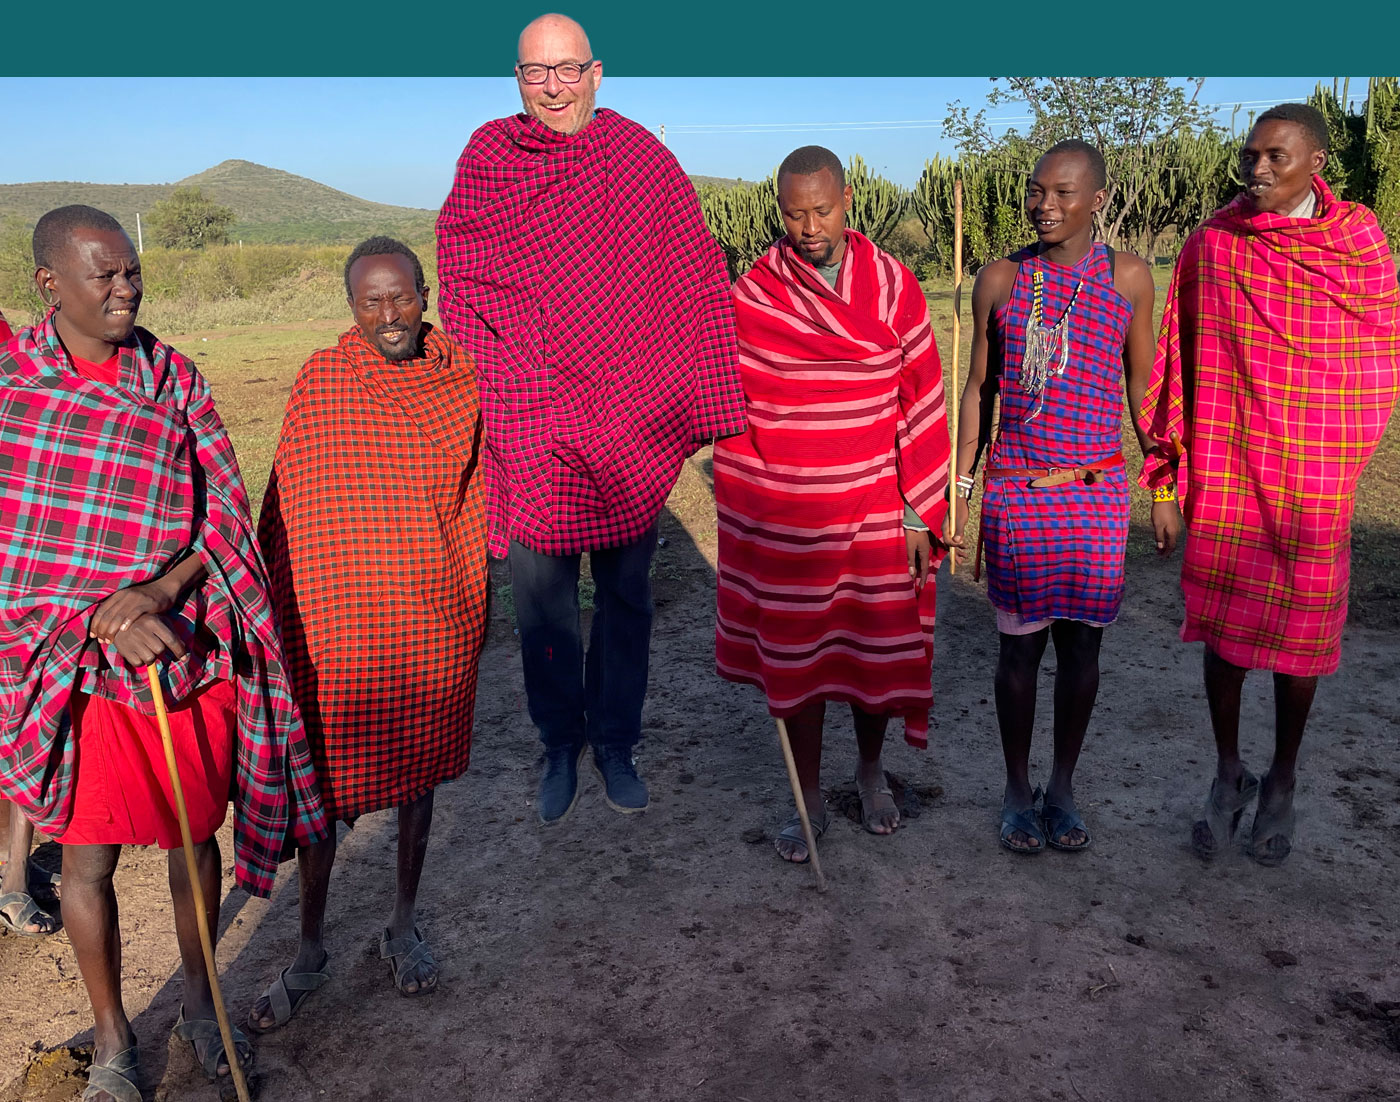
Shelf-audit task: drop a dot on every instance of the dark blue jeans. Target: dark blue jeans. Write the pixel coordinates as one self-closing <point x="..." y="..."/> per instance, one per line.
<point x="599" y="698"/>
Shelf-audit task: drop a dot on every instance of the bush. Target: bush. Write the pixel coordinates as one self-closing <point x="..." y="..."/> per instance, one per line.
<point x="19" y="299"/>
<point x="190" y="219"/>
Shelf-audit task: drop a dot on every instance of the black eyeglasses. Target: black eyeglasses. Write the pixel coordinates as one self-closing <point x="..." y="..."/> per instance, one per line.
<point x="568" y="72"/>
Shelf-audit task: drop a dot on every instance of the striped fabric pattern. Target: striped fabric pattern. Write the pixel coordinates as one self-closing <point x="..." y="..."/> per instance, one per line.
<point x="1058" y="552"/>
<point x="374" y="529"/>
<point x="846" y="414"/>
<point x="1278" y="366"/>
<point x="577" y="272"/>
<point x="104" y="487"/>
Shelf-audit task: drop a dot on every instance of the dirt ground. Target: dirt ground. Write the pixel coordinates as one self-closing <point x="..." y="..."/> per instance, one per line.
<point x="672" y="956"/>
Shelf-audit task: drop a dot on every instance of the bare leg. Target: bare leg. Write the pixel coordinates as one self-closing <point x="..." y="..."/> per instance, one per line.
<point x="1293" y="698"/>
<point x="314" y="865"/>
<point x="198" y="999"/>
<point x="805" y="734"/>
<point x="882" y="816"/>
<point x="90" y="916"/>
<point x="1076" y="690"/>
<point x="415" y="821"/>
<point x="20" y="833"/>
<point x="1224" y="682"/>
<point x="1017" y="669"/>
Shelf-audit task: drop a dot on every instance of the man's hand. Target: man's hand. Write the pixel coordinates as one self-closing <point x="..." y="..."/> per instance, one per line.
<point x="124" y="608"/>
<point x="920" y="548"/>
<point x="146" y="639"/>
<point x="1166" y="523"/>
<point x="955" y="544"/>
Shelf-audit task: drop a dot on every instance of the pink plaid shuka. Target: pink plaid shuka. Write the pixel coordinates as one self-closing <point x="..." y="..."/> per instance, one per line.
<point x="106" y="487"/>
<point x="1278" y="368"/>
<point x="578" y="273"/>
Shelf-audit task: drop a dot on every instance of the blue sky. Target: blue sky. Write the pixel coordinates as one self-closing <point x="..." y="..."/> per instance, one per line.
<point x="396" y="140"/>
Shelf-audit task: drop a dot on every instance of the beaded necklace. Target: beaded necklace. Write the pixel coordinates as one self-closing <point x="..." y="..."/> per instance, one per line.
<point x="1047" y="346"/>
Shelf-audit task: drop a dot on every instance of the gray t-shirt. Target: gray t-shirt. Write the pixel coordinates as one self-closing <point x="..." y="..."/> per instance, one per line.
<point x="1307" y="208"/>
<point x="829" y="273"/>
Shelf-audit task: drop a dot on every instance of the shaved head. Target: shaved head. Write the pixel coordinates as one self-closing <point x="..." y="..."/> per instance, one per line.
<point x="557" y="73"/>
<point x="552" y="32"/>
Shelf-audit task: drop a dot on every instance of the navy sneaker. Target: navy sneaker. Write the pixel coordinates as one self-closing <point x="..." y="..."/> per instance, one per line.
<point x="558" y="791"/>
<point x="622" y="788"/>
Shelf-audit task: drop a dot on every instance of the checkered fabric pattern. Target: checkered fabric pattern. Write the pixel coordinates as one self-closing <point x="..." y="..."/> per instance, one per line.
<point x="5" y="331"/>
<point x="578" y="273"/>
<point x="1278" y="367"/>
<point x="374" y="529"/>
<point x="1058" y="552"/>
<point x="847" y="421"/>
<point x="105" y="487"/>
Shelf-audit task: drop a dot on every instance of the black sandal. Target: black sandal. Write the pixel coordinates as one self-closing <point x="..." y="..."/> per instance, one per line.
<point x="1221" y="815"/>
<point x="1027" y="821"/>
<point x="1271" y="839"/>
<point x="207" y="1044"/>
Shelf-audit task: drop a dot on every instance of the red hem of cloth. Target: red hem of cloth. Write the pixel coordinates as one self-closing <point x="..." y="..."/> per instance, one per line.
<point x="121" y="790"/>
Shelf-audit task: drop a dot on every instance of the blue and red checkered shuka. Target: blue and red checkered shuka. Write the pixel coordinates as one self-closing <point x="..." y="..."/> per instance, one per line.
<point x="1058" y="552"/>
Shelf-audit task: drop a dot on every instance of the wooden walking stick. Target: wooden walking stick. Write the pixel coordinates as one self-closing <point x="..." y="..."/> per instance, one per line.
<point x="192" y="871"/>
<point x="796" y="783"/>
<point x="954" y="398"/>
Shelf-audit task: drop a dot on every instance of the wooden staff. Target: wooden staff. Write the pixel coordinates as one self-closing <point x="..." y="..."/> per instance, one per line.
<point x="796" y="783"/>
<point x="954" y="398"/>
<point x="192" y="871"/>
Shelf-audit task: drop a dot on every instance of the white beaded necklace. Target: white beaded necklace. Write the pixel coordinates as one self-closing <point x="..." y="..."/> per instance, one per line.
<point x="1047" y="346"/>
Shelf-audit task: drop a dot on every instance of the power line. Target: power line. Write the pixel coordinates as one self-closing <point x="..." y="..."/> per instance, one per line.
<point x="833" y="126"/>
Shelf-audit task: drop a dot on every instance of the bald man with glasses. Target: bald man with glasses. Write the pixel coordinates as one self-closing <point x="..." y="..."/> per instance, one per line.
<point x="576" y="269"/>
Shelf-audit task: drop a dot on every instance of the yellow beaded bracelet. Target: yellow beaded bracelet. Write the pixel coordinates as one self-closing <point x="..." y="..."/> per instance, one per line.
<point x="1163" y="493"/>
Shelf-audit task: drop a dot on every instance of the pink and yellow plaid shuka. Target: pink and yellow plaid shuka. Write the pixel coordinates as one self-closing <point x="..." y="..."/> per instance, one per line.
<point x="1278" y="368"/>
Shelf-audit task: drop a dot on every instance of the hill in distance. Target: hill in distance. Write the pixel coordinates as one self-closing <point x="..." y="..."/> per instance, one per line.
<point x="272" y="206"/>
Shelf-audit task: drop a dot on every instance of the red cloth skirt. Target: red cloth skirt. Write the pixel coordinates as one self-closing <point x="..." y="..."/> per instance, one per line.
<point x="122" y="793"/>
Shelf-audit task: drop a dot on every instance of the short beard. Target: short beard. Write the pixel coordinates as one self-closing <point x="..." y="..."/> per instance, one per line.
<point x="409" y="350"/>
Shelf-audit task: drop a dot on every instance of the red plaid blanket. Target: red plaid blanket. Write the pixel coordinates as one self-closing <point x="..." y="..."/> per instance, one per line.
<point x="577" y="271"/>
<point x="1278" y="368"/>
<point x="106" y="487"/>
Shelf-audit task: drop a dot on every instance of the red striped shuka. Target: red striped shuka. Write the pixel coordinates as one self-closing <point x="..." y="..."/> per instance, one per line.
<point x="847" y="422"/>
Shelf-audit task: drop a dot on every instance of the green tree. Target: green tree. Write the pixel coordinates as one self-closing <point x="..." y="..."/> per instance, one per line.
<point x="993" y="185"/>
<point x="18" y="295"/>
<point x="743" y="219"/>
<point x="1129" y="120"/>
<point x="190" y="220"/>
<point x="877" y="205"/>
<point x="1196" y="176"/>
<point x="1363" y="163"/>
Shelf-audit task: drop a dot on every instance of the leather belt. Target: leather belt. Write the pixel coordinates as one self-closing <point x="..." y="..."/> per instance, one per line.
<point x="1042" y="477"/>
<point x="1058" y="476"/>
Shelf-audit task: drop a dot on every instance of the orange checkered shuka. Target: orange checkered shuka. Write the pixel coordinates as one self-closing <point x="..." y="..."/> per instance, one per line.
<point x="374" y="530"/>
